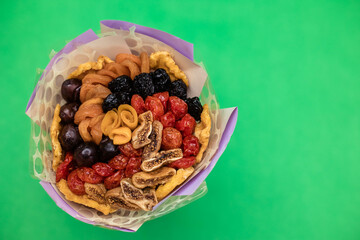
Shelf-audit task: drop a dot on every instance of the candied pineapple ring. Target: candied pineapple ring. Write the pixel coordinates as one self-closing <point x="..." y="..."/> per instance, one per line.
<point x="163" y="60"/>
<point x="120" y="135"/>
<point x="128" y="116"/>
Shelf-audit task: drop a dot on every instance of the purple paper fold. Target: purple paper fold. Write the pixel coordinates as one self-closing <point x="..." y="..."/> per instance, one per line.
<point x="83" y="38"/>
<point x="183" y="47"/>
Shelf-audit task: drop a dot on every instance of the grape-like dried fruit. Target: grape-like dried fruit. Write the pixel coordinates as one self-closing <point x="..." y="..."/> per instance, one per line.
<point x="161" y="80"/>
<point x="143" y="85"/>
<point x="194" y="107"/>
<point x="178" y="89"/>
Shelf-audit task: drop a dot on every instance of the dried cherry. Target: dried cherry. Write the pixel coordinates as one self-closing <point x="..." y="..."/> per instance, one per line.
<point x="163" y="97"/>
<point x="137" y="102"/>
<point x="177" y="106"/>
<point x="75" y="184"/>
<point x="168" y="120"/>
<point x="186" y="125"/>
<point x="171" y="138"/>
<point x="155" y="106"/>
<point x="133" y="166"/>
<point x="119" y="162"/>
<point x="63" y="169"/>
<point x="89" y="175"/>
<point x="191" y="146"/>
<point x="114" y="180"/>
<point x="183" y="162"/>
<point x="129" y="151"/>
<point x="103" y="169"/>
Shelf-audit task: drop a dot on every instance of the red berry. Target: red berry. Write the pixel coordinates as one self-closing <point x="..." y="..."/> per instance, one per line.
<point x="191" y="146"/>
<point x="114" y="180"/>
<point x="103" y="169"/>
<point x="133" y="166"/>
<point x="183" y="162"/>
<point x="186" y="125"/>
<point x="171" y="138"/>
<point x="163" y="97"/>
<point x="155" y="106"/>
<point x="119" y="162"/>
<point x="63" y="169"/>
<point x="89" y="175"/>
<point x="177" y="106"/>
<point x="138" y="104"/>
<point x="129" y="151"/>
<point x="168" y="120"/>
<point x="76" y="185"/>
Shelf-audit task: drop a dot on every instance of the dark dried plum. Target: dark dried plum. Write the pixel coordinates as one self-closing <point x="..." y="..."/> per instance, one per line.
<point x="194" y="107"/>
<point x="67" y="112"/>
<point x="110" y="102"/>
<point x="161" y="80"/>
<point x="124" y="98"/>
<point x="70" y="90"/>
<point x="178" y="89"/>
<point x="121" y="84"/>
<point x="143" y="85"/>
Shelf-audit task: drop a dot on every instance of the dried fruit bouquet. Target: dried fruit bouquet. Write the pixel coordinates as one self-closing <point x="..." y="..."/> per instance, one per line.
<point x="130" y="138"/>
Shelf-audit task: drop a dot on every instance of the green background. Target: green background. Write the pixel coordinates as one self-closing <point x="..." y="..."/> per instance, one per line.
<point x="291" y="170"/>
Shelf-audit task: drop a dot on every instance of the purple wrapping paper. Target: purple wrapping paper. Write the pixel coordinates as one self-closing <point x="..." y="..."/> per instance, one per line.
<point x="181" y="46"/>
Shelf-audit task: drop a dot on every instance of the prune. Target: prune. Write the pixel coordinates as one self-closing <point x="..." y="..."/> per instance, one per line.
<point x="114" y="180"/>
<point x="138" y="104"/>
<point x="191" y="146"/>
<point x="103" y="169"/>
<point x="186" y="125"/>
<point x="89" y="175"/>
<point x="75" y="184"/>
<point x="161" y="80"/>
<point x="86" y="154"/>
<point x="63" y="169"/>
<point x="168" y="120"/>
<point x="178" y="89"/>
<point x="154" y="105"/>
<point x="119" y="162"/>
<point x="70" y="90"/>
<point x="171" y="138"/>
<point x="69" y="137"/>
<point x="183" y="163"/>
<point x="67" y="112"/>
<point x="164" y="97"/>
<point x="143" y="85"/>
<point x="133" y="166"/>
<point x="129" y="151"/>
<point x="194" y="107"/>
<point x="114" y="100"/>
<point x="108" y="149"/>
<point x="177" y="106"/>
<point x="121" y="84"/>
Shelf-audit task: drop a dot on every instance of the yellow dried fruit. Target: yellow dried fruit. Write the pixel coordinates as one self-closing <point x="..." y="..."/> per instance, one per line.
<point x="163" y="59"/>
<point x="202" y="132"/>
<point x="128" y="116"/>
<point x="110" y="121"/>
<point x="120" y="135"/>
<point x="181" y="175"/>
<point x="99" y="64"/>
<point x="54" y="133"/>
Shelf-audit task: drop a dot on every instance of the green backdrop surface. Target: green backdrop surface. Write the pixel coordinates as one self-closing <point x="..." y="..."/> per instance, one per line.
<point x="292" y="168"/>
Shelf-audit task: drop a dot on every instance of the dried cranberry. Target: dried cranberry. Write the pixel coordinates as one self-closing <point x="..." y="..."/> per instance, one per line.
<point x="190" y="146"/>
<point x="177" y="106"/>
<point x="163" y="97"/>
<point x="186" y="125"/>
<point x="133" y="166"/>
<point x="183" y="162"/>
<point x="129" y="151"/>
<point x="76" y="185"/>
<point x="155" y="106"/>
<point x="119" y="162"/>
<point x="168" y="120"/>
<point x="89" y="175"/>
<point x="63" y="169"/>
<point x="137" y="102"/>
<point x="171" y="138"/>
<point x="103" y="169"/>
<point x="114" y="180"/>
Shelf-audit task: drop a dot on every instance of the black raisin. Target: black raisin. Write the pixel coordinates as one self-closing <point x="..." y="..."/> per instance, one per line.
<point x="121" y="84"/>
<point x="110" y="102"/>
<point x="194" y="107"/>
<point x="161" y="80"/>
<point x="143" y="85"/>
<point x="178" y="89"/>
